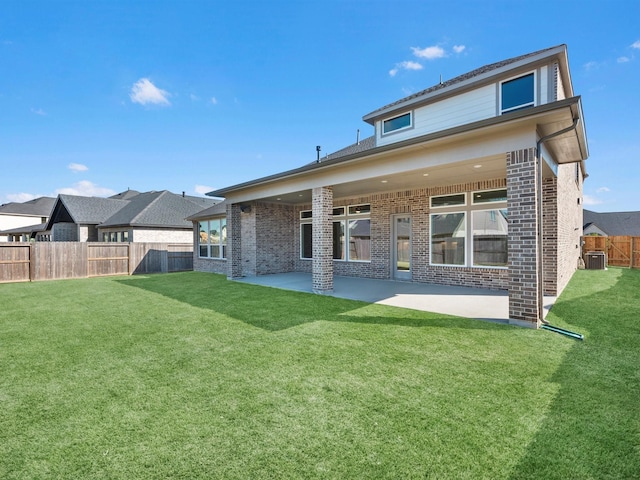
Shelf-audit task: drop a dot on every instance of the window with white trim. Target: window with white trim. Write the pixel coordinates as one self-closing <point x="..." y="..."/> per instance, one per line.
<point x="212" y="238"/>
<point x="517" y="93"/>
<point x="351" y="233"/>
<point x="401" y="122"/>
<point x="473" y="234"/>
<point x="490" y="236"/>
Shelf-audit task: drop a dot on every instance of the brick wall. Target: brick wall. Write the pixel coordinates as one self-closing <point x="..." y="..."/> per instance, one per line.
<point x="550" y="235"/>
<point x="274" y="238"/>
<point x="64" y="232"/>
<point x="322" y="261"/>
<point x="234" y="241"/>
<point x="570" y="222"/>
<point x="523" y="221"/>
<point x="248" y="240"/>
<point x="416" y="203"/>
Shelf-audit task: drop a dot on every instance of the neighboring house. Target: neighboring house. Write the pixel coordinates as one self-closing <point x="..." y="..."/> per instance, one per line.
<point x="126" y="217"/>
<point x="611" y="224"/>
<point x="19" y="221"/>
<point x="476" y="181"/>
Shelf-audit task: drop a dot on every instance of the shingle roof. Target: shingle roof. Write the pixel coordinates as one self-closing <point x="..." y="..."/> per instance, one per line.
<point x="38" y="207"/>
<point x="614" y="223"/>
<point x="217" y="210"/>
<point x="126" y="195"/>
<point x="27" y="229"/>
<point x="466" y="76"/>
<point x="90" y="210"/>
<point x="158" y="209"/>
<point x="361" y="146"/>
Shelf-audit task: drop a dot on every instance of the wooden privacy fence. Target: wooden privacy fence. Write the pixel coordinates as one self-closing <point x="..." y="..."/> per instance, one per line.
<point x="622" y="251"/>
<point x="23" y="262"/>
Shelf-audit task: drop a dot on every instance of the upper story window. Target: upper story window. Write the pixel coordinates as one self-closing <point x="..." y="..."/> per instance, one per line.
<point x="517" y="93"/>
<point x="400" y="122"/>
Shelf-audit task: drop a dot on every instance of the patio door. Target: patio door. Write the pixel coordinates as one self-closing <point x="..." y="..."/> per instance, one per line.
<point x="401" y="247"/>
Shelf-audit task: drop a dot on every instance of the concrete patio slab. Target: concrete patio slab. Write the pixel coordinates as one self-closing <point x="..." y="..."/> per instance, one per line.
<point x="478" y="303"/>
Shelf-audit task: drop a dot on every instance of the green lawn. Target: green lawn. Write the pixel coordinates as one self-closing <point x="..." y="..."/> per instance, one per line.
<point x="191" y="376"/>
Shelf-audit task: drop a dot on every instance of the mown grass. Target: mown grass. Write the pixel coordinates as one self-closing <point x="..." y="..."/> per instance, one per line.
<point x="191" y="376"/>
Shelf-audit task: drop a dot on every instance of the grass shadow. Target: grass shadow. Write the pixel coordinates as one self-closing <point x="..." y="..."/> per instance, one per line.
<point x="275" y="309"/>
<point x="592" y="429"/>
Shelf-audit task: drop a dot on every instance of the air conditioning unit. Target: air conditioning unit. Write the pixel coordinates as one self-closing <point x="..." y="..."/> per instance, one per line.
<point x="596" y="261"/>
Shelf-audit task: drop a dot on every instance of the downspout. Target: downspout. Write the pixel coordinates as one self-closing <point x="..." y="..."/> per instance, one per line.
<point x="540" y="227"/>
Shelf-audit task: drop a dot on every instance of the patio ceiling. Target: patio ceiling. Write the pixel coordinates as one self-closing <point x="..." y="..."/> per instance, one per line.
<point x="478" y="169"/>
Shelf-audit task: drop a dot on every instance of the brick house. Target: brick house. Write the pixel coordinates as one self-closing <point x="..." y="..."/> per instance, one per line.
<point x="476" y="181"/>
<point x="130" y="216"/>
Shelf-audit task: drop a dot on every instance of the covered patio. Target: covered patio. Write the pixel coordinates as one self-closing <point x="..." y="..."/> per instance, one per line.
<point x="478" y="303"/>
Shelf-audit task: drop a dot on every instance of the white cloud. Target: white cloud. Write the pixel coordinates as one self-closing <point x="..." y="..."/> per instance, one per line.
<point x="591" y="65"/>
<point x="603" y="190"/>
<point x="589" y="200"/>
<point x="39" y="111"/>
<point x="194" y="98"/>
<point x="459" y="48"/>
<point x="77" y="167"/>
<point x="21" y="197"/>
<point x="144" y="92"/>
<point x="214" y="100"/>
<point x="203" y="189"/>
<point x="623" y="59"/>
<point x="636" y="45"/>
<point x="86" y="188"/>
<point x="430" y="53"/>
<point x="407" y="65"/>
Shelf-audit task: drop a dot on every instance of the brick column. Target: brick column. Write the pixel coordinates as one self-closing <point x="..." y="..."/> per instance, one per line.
<point x="523" y="237"/>
<point x="234" y="242"/>
<point x="322" y="225"/>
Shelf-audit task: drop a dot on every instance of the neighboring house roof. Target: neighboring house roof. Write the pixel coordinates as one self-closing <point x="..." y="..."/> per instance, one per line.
<point x="158" y="209"/>
<point x="38" y="207"/>
<point x="217" y="210"/>
<point x="41" y="227"/>
<point x="131" y="208"/>
<point x="613" y="223"/>
<point x="126" y="195"/>
<point x="84" y="210"/>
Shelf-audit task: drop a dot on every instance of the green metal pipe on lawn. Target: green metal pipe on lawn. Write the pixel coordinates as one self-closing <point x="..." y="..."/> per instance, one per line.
<point x="562" y="331"/>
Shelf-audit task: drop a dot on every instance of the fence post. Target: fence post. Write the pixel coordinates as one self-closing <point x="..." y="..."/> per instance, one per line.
<point x="32" y="266"/>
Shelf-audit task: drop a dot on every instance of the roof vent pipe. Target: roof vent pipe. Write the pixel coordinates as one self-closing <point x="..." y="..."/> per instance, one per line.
<point x="358" y="137"/>
<point x="318" y="153"/>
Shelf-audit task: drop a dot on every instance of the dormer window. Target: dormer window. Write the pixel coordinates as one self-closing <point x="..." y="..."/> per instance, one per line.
<point x="517" y="93"/>
<point x="401" y="122"/>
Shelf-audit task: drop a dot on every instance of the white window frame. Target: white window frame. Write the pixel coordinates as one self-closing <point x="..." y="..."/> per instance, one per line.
<point x="383" y="123"/>
<point x="455" y="210"/>
<point x="222" y="245"/>
<point x="472" y="236"/>
<point x="524" y="105"/>
<point x="468" y="209"/>
<point x="457" y="205"/>
<point x="345" y="218"/>
<point x="473" y="196"/>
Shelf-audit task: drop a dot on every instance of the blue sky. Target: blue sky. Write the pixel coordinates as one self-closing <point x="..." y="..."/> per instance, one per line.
<point x="100" y="96"/>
